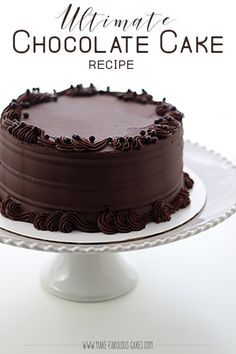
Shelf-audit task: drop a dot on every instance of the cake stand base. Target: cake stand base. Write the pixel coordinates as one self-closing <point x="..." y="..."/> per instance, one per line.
<point x="88" y="277"/>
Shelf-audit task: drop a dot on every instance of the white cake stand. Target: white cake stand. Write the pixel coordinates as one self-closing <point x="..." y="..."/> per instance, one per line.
<point x="89" y="267"/>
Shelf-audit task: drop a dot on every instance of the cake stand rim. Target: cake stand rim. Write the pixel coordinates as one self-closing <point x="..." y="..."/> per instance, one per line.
<point x="18" y="240"/>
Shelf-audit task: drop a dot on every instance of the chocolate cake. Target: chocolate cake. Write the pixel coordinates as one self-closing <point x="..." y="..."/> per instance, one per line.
<point x="89" y="160"/>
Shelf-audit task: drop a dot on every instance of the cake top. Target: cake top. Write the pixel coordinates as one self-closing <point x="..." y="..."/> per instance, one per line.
<point x="84" y="119"/>
<point x="99" y="115"/>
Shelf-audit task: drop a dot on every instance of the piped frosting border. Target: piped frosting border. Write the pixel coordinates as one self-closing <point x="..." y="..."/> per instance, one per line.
<point x="15" y="115"/>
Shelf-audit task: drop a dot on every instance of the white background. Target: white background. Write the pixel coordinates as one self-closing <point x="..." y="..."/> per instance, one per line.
<point x="185" y="298"/>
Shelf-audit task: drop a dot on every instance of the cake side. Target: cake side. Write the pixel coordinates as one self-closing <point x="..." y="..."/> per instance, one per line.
<point x="108" y="221"/>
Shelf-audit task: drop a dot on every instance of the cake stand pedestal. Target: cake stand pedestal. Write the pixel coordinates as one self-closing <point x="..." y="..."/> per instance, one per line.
<point x="88" y="277"/>
<point x="89" y="268"/>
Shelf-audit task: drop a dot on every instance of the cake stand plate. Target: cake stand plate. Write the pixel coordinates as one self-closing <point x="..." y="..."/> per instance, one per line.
<point x="89" y="267"/>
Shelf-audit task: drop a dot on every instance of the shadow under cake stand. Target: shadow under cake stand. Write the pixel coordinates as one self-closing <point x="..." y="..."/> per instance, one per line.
<point x="89" y="268"/>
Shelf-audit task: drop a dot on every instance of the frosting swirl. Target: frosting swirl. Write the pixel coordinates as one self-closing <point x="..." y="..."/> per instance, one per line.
<point x="160" y="211"/>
